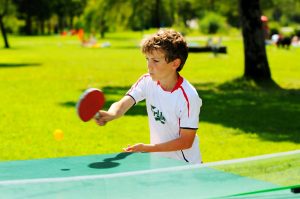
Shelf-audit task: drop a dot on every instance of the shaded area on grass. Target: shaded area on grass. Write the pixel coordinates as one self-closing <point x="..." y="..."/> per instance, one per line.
<point x="71" y="104"/>
<point x="272" y="113"/>
<point x="11" y="65"/>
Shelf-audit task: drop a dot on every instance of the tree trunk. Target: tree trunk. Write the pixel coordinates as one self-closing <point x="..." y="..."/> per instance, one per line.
<point x="256" y="62"/>
<point x="49" y="27"/>
<point x="71" y="22"/>
<point x="42" y="26"/>
<point x="6" y="45"/>
<point x="28" y="25"/>
<point x="61" y="23"/>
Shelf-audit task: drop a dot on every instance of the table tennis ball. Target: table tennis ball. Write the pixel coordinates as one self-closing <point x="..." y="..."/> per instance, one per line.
<point x="58" y="135"/>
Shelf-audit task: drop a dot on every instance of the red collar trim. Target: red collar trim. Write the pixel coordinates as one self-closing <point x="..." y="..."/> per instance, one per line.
<point x="178" y="84"/>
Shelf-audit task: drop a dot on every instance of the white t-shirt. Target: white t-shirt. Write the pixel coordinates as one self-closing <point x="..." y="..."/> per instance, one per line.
<point x="168" y="112"/>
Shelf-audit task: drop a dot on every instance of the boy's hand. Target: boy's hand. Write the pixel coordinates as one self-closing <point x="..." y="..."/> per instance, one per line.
<point x="140" y="147"/>
<point x="115" y="111"/>
<point x="103" y="117"/>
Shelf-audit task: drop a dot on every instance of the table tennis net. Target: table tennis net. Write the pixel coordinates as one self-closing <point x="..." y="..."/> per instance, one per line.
<point x="260" y="175"/>
<point x="281" y="170"/>
<point x="270" y="176"/>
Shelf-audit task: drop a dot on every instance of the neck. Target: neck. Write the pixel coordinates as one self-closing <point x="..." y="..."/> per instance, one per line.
<point x="169" y="83"/>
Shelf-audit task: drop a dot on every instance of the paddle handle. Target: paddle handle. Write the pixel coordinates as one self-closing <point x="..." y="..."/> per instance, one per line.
<point x="97" y="115"/>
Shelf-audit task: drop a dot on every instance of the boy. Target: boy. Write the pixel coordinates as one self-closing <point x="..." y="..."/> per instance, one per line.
<point x="173" y="105"/>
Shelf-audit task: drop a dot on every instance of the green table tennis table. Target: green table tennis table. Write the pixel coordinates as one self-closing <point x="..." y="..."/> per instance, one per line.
<point x="127" y="175"/>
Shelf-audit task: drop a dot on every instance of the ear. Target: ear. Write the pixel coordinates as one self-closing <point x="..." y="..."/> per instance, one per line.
<point x="176" y="63"/>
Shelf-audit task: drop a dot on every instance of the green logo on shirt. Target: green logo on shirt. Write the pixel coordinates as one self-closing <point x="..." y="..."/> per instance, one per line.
<point x="158" y="116"/>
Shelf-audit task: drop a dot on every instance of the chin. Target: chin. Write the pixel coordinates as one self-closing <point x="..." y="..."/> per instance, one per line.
<point x="153" y="77"/>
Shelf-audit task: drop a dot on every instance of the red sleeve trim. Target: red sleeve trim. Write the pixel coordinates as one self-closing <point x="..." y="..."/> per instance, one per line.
<point x="186" y="99"/>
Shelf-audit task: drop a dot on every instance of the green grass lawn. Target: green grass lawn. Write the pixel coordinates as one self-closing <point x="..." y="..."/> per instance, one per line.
<point x="41" y="79"/>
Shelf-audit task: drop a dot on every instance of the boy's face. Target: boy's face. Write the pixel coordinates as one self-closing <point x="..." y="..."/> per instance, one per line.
<point x="158" y="67"/>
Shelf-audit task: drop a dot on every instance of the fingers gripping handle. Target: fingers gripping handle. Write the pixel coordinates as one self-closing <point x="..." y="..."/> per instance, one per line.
<point x="97" y="116"/>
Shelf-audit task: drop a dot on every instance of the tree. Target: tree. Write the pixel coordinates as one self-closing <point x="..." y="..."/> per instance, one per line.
<point x="186" y="11"/>
<point x="34" y="11"/>
<point x="60" y="8"/>
<point x="4" y="6"/>
<point x="256" y="62"/>
<point x="96" y="16"/>
<point x="75" y="8"/>
<point x="67" y="9"/>
<point x="43" y="13"/>
<point x="26" y="9"/>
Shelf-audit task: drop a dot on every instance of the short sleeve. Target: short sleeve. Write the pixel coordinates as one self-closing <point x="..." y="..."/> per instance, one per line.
<point x="190" y="111"/>
<point x="138" y="90"/>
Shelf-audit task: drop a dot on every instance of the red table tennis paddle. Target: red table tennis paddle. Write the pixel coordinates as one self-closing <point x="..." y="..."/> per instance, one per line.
<point x="90" y="102"/>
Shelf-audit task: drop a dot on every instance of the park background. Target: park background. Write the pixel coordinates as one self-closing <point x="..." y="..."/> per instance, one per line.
<point x="45" y="64"/>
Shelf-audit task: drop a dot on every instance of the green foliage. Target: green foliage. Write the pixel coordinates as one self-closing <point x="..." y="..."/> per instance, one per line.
<point x="12" y="24"/>
<point x="7" y="8"/>
<point x="104" y="16"/>
<point x="285" y="21"/>
<point x="185" y="11"/>
<point x="274" y="27"/>
<point x="212" y="23"/>
<point x="284" y="12"/>
<point x="39" y="13"/>
<point x="79" y="24"/>
<point x="111" y="15"/>
<point x="8" y="13"/>
<point x="90" y="18"/>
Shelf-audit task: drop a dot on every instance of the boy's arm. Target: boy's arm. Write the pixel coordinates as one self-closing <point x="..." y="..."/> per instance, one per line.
<point x="185" y="141"/>
<point x="115" y="111"/>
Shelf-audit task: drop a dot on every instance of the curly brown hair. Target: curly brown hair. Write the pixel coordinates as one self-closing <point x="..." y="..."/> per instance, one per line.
<point x="170" y="42"/>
